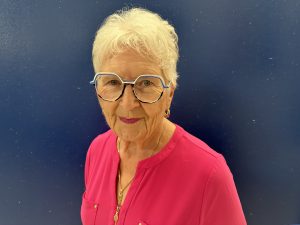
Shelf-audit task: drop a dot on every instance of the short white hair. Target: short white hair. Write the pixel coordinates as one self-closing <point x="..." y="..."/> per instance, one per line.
<point x="142" y="31"/>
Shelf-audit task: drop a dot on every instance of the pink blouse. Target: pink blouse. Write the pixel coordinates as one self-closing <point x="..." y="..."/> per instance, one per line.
<point x="186" y="183"/>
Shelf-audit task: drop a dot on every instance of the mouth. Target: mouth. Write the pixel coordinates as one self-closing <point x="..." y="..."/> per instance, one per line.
<point x="129" y="120"/>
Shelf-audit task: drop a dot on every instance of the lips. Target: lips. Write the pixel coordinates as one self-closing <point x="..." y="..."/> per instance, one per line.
<point x="129" y="120"/>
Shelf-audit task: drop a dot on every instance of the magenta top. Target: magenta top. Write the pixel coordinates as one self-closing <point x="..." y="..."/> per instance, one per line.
<point x="186" y="183"/>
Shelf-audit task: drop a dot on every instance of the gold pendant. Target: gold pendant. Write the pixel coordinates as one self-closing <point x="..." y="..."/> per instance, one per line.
<point x="116" y="216"/>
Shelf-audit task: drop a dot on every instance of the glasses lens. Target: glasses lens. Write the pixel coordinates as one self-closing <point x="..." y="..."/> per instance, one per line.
<point x="109" y="86"/>
<point x="148" y="88"/>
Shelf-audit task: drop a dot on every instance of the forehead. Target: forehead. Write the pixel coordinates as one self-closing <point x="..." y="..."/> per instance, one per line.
<point x="130" y="65"/>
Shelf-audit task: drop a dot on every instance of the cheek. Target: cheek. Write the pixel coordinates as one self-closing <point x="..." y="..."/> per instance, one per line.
<point x="108" y="110"/>
<point x="155" y="114"/>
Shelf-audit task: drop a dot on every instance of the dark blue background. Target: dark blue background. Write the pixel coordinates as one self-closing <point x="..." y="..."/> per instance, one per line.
<point x="238" y="91"/>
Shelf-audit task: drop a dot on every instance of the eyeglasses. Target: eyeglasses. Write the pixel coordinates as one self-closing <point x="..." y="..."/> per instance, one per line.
<point x="146" y="88"/>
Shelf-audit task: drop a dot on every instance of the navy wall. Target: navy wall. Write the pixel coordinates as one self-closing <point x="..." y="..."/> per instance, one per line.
<point x="238" y="91"/>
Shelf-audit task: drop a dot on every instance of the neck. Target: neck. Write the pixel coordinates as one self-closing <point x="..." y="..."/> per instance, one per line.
<point x="145" y="148"/>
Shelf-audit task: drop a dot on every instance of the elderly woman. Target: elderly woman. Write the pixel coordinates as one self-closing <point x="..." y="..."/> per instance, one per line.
<point x="146" y="169"/>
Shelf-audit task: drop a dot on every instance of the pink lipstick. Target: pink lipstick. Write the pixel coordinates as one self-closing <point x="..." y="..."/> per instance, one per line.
<point x="129" y="120"/>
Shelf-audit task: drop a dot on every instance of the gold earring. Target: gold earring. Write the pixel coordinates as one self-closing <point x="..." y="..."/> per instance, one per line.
<point x="167" y="113"/>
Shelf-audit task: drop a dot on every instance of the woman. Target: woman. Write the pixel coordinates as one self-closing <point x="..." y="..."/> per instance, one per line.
<point x="146" y="169"/>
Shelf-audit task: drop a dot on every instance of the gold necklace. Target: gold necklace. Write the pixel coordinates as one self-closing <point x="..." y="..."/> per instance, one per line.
<point x="121" y="193"/>
<point x="120" y="196"/>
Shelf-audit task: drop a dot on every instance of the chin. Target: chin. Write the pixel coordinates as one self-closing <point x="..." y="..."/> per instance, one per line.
<point x="130" y="134"/>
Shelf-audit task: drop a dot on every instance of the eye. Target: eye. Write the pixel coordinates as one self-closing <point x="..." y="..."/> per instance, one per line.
<point x="146" y="83"/>
<point x="113" y="82"/>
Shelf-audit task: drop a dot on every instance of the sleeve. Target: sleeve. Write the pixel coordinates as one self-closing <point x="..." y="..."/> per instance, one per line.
<point x="221" y="203"/>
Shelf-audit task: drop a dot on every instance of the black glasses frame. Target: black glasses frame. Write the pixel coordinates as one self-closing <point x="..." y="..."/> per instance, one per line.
<point x="130" y="82"/>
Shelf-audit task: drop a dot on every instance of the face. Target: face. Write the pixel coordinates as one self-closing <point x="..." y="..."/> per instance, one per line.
<point x="129" y="118"/>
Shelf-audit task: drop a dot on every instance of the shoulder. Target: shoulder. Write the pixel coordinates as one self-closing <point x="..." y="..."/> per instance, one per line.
<point x="99" y="142"/>
<point x="198" y="155"/>
<point x="194" y="147"/>
<point x="208" y="166"/>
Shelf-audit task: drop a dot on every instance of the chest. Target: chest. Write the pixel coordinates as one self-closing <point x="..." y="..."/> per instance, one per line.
<point x="155" y="197"/>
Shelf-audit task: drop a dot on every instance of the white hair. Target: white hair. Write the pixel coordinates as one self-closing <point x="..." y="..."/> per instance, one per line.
<point x="140" y="30"/>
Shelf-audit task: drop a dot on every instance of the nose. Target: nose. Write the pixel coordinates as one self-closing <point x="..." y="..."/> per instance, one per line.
<point x="128" y="100"/>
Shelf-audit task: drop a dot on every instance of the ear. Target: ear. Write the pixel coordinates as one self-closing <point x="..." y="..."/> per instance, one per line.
<point x="170" y="95"/>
